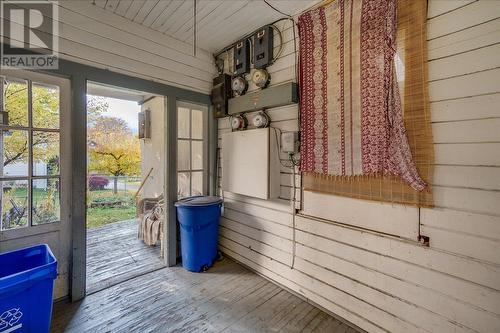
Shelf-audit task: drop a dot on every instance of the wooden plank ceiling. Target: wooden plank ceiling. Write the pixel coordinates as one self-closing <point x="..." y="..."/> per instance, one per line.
<point x="219" y="22"/>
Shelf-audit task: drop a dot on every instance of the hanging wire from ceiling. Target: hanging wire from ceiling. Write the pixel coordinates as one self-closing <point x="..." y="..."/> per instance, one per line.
<point x="277" y="10"/>
<point x="194" y="27"/>
<point x="290" y="18"/>
<point x="294" y="162"/>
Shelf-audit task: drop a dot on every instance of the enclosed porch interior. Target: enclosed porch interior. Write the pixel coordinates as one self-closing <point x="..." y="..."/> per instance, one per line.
<point x="310" y="239"/>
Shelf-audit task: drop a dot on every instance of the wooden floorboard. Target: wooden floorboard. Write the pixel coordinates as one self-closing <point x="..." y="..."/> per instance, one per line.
<point x="226" y="298"/>
<point x="115" y="254"/>
<point x="133" y="292"/>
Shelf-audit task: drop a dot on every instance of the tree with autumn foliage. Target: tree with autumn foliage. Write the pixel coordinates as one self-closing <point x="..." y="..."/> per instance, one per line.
<point x="114" y="148"/>
<point x="45" y="114"/>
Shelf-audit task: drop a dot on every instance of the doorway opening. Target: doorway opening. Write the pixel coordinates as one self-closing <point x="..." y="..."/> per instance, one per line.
<point x="125" y="184"/>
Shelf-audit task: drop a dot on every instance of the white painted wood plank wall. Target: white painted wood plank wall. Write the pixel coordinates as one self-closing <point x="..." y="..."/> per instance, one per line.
<point x="99" y="38"/>
<point x="387" y="284"/>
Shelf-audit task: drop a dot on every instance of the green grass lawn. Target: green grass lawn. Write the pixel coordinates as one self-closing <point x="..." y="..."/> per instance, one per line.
<point x="101" y="216"/>
<point x="98" y="216"/>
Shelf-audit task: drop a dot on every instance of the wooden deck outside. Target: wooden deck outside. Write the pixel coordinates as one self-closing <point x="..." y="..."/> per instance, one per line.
<point x="115" y="254"/>
<point x="227" y="298"/>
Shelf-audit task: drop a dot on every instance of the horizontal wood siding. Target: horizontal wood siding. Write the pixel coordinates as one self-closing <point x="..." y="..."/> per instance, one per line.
<point x="90" y="35"/>
<point x="379" y="282"/>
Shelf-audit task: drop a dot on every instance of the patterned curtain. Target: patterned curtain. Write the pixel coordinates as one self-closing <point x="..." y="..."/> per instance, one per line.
<point x="360" y="94"/>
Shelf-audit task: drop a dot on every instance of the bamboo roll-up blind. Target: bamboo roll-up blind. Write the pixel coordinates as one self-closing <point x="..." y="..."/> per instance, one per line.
<point x="412" y="76"/>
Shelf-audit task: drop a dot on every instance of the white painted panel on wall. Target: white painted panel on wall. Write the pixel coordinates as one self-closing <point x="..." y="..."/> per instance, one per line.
<point x="249" y="163"/>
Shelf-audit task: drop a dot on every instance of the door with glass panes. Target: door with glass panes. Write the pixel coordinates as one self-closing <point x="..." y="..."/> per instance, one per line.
<point x="35" y="166"/>
<point x="192" y="165"/>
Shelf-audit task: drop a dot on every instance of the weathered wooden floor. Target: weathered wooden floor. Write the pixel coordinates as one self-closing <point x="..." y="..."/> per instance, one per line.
<point x="227" y="298"/>
<point x="115" y="254"/>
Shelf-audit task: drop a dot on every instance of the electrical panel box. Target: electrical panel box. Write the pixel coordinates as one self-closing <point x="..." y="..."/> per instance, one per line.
<point x="241" y="57"/>
<point x="263" y="44"/>
<point x="144" y="118"/>
<point x="221" y="92"/>
<point x="290" y="142"/>
<point x="250" y="163"/>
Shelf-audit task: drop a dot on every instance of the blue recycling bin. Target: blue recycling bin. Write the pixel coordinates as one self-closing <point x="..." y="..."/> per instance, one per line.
<point x="198" y="218"/>
<point x="26" y="284"/>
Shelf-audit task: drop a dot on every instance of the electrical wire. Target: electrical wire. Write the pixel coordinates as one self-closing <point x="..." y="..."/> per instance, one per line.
<point x="294" y="195"/>
<point x="194" y="27"/>
<point x="230" y="119"/>
<point x="250" y="40"/>
<point x="297" y="75"/>
<point x="294" y="198"/>
<point x="278" y="145"/>
<point x="280" y="35"/>
<point x="294" y="213"/>
<point x="230" y="46"/>
<point x="218" y="164"/>
<point x="276" y="9"/>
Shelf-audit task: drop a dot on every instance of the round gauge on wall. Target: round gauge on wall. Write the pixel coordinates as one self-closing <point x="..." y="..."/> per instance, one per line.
<point x="261" y="119"/>
<point x="261" y="78"/>
<point x="238" y="123"/>
<point x="239" y="85"/>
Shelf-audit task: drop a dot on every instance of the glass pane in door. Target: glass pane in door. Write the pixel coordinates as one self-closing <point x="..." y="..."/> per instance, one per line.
<point x="183" y="158"/>
<point x="183" y="184"/>
<point x="183" y="123"/>
<point x="15" y="153"/>
<point x="197" y="124"/>
<point x="16" y="101"/>
<point x="45" y="153"/>
<point x="46" y="203"/>
<point x="14" y="204"/>
<point x="197" y="155"/>
<point x="45" y="106"/>
<point x="197" y="183"/>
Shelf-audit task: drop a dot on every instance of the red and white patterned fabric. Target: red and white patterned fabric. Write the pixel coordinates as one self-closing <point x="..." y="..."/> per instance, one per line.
<point x="351" y="115"/>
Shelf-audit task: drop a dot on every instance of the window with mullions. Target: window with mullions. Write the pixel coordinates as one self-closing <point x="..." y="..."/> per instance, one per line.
<point x="30" y="158"/>
<point x="191" y="150"/>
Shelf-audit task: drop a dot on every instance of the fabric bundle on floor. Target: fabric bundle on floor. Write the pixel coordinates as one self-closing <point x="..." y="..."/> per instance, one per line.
<point x="150" y="228"/>
<point x="351" y="115"/>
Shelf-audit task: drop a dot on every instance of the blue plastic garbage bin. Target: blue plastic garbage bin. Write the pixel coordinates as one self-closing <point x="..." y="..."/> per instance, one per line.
<point x="199" y="225"/>
<point x="26" y="284"/>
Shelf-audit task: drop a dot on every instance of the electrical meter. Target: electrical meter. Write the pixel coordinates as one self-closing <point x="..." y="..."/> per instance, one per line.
<point x="239" y="85"/>
<point x="261" y="78"/>
<point x="238" y="123"/>
<point x="261" y="119"/>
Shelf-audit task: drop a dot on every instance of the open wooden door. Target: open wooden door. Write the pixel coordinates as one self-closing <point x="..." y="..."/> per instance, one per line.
<point x="35" y="166"/>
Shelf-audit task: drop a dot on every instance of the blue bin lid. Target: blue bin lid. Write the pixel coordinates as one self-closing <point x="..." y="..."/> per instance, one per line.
<point x="23" y="268"/>
<point x="199" y="200"/>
